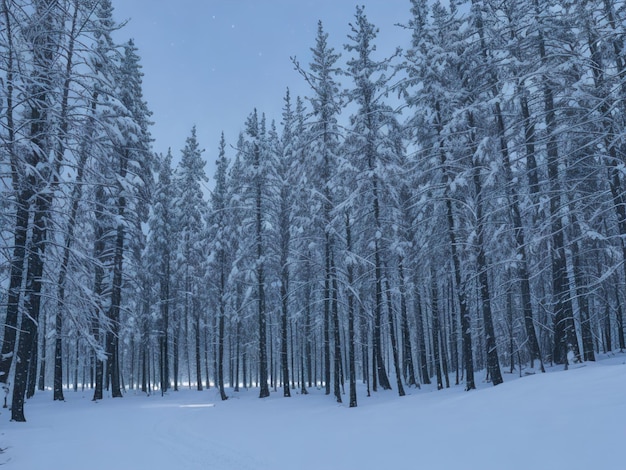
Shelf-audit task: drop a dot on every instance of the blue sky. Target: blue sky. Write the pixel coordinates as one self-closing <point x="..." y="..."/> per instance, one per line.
<point x="209" y="63"/>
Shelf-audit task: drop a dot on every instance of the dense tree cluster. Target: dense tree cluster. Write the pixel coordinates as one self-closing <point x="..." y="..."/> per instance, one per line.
<point x="445" y="213"/>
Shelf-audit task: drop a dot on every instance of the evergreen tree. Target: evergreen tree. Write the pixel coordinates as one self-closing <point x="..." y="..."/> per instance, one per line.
<point x="161" y="250"/>
<point x="34" y="197"/>
<point x="325" y="139"/>
<point x="255" y="154"/>
<point x="371" y="126"/>
<point x="430" y="66"/>
<point x="285" y="180"/>
<point x="220" y="248"/>
<point x="191" y="209"/>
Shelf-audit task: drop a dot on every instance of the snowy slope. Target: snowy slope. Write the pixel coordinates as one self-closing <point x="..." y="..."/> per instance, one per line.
<point x="571" y="420"/>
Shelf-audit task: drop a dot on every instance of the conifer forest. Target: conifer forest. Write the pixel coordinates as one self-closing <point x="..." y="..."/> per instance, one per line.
<point x="447" y="214"/>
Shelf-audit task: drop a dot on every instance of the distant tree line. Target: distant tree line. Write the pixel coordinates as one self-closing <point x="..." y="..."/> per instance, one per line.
<point x="448" y="213"/>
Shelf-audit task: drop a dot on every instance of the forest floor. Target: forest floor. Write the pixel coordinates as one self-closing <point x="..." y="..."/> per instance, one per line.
<point x="573" y="419"/>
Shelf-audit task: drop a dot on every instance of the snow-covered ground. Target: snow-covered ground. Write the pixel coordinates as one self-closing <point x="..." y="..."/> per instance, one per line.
<point x="570" y="420"/>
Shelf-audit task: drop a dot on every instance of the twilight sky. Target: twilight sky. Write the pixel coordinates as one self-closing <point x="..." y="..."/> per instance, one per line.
<point x="211" y="62"/>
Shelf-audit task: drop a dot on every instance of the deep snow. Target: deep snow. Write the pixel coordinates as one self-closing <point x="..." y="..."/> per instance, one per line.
<point x="571" y="420"/>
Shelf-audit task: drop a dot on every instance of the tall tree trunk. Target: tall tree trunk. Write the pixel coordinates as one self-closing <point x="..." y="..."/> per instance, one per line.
<point x="112" y="336"/>
<point x="262" y="314"/>
<point x="421" y="339"/>
<point x="351" y="333"/>
<point x="237" y="355"/>
<point x="23" y="196"/>
<point x="381" y="372"/>
<point x="456" y="260"/>
<point x="43" y="47"/>
<point x="207" y="361"/>
<point x="613" y="161"/>
<point x="15" y="286"/>
<point x="41" y="385"/>
<point x="98" y="288"/>
<point x="198" y="344"/>
<point x="336" y="334"/>
<point x="327" y="308"/>
<point x="583" y="300"/>
<point x="620" y="321"/>
<point x="32" y="303"/>
<point x="520" y="238"/>
<point x="434" y="300"/>
<point x="564" y="329"/>
<point x="408" y="368"/>
<point x="394" y="342"/>
<point x="308" y="353"/>
<point x="284" y="296"/>
<point x="164" y="304"/>
<point x="220" y="337"/>
<point x="176" y="349"/>
<point x="493" y="362"/>
<point x="31" y="383"/>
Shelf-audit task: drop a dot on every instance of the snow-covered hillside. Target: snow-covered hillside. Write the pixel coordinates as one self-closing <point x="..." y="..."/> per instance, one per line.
<point x="571" y="420"/>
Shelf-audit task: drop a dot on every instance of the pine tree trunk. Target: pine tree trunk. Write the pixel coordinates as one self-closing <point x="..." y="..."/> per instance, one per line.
<point x="434" y="300"/>
<point x="237" y="355"/>
<point x="220" y="340"/>
<point x="43" y="46"/>
<point x="351" y="333"/>
<point x="112" y="337"/>
<point x="337" y="334"/>
<point x="308" y="353"/>
<point x="44" y="347"/>
<point x="520" y="239"/>
<point x="164" y="303"/>
<point x="31" y="383"/>
<point x="198" y="345"/>
<point x="284" y="290"/>
<point x="620" y="321"/>
<point x="493" y="362"/>
<point x="444" y="348"/>
<point x="613" y="160"/>
<point x="76" y="365"/>
<point x="21" y="216"/>
<point x="262" y="314"/>
<point x="421" y="339"/>
<point x="176" y="348"/>
<point x="32" y="302"/>
<point x="459" y="285"/>
<point x="394" y="342"/>
<point x="244" y="367"/>
<point x="15" y="286"/>
<point x="408" y="367"/>
<point x="378" y="350"/>
<point x="563" y="316"/>
<point x="303" y="389"/>
<point x="583" y="301"/>
<point x="327" y="307"/>
<point x="454" y="334"/>
<point x="206" y="359"/>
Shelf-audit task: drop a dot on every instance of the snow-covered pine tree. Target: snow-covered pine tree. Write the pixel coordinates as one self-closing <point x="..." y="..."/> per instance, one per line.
<point x="162" y="246"/>
<point x="371" y="126"/>
<point x="100" y="60"/>
<point x="430" y="75"/>
<point x="325" y="138"/>
<point x="42" y="31"/>
<point x="285" y="180"/>
<point x="191" y="209"/>
<point x="255" y="169"/>
<point x="221" y="255"/>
